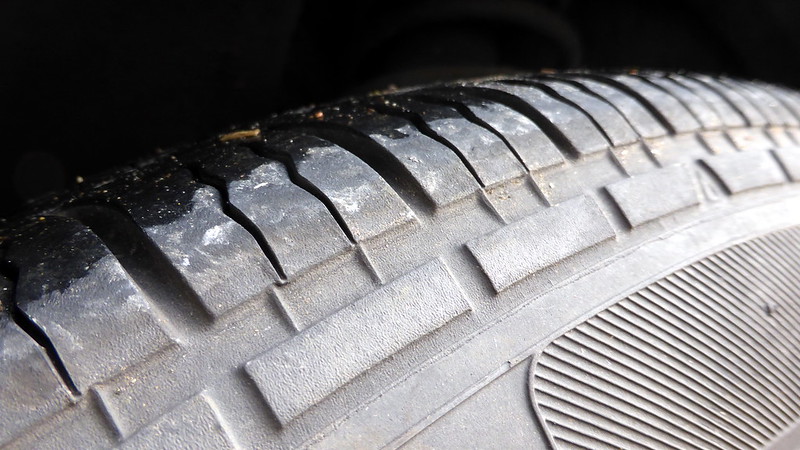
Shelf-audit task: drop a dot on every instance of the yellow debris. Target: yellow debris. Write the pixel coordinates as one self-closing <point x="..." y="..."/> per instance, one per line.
<point x="241" y="134"/>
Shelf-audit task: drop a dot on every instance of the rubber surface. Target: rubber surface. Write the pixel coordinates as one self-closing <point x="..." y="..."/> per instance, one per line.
<point x="526" y="262"/>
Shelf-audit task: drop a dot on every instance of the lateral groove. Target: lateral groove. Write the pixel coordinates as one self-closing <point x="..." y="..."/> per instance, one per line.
<point x="32" y="329"/>
<point x="387" y="107"/>
<point x="472" y="117"/>
<point x="521" y="106"/>
<point x="238" y="216"/>
<point x="641" y="99"/>
<point x="141" y="258"/>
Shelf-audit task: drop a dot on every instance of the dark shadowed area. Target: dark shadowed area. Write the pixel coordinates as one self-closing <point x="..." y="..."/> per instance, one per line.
<point x="85" y="85"/>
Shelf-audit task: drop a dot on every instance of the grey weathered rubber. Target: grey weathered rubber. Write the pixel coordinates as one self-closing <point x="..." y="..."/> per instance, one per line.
<point x="562" y="260"/>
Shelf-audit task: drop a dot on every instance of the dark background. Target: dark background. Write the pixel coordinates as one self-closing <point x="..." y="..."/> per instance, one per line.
<point x="87" y="84"/>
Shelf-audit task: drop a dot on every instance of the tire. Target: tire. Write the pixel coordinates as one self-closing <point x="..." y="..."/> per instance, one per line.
<point x="569" y="260"/>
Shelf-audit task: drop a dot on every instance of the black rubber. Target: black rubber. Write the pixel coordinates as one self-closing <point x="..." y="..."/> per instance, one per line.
<point x="569" y="260"/>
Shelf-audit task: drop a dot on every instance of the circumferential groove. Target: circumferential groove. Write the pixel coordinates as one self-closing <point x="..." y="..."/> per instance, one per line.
<point x="230" y="210"/>
<point x="635" y="95"/>
<point x="419" y="123"/>
<point x="33" y="330"/>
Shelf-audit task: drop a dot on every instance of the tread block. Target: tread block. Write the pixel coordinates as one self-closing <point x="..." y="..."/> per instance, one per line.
<point x="787" y="97"/>
<point x="729" y="116"/>
<point x="532" y="145"/>
<point x="753" y="116"/>
<point x="220" y="260"/>
<point x="676" y="114"/>
<point x="298" y="227"/>
<point x="789" y="158"/>
<point x="60" y="263"/>
<point x="435" y="167"/>
<point x="304" y="370"/>
<point x="637" y="115"/>
<point x="672" y="186"/>
<point x="195" y="423"/>
<point x="366" y="203"/>
<point x="572" y="123"/>
<point x="746" y="170"/>
<point x="764" y="103"/>
<point x="31" y="390"/>
<point x="770" y="103"/>
<point x="610" y="120"/>
<point x="704" y="114"/>
<point x="488" y="155"/>
<point x="523" y="248"/>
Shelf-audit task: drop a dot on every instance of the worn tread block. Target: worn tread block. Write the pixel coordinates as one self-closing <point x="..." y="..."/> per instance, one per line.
<point x="753" y="116"/>
<point x="492" y="161"/>
<point x="30" y="390"/>
<point x="770" y="108"/>
<point x="614" y="125"/>
<point x="729" y="116"/>
<point x="655" y="194"/>
<point x="195" y="422"/>
<point x="788" y="98"/>
<point x="746" y="170"/>
<point x="693" y="102"/>
<point x="637" y="115"/>
<point x="220" y="260"/>
<point x="298" y="227"/>
<point x="523" y="248"/>
<point x="75" y="290"/>
<point x="365" y="201"/>
<point x="673" y="111"/>
<point x="532" y="145"/>
<point x="435" y="167"/>
<point x="572" y="123"/>
<point x="770" y="102"/>
<point x="304" y="370"/>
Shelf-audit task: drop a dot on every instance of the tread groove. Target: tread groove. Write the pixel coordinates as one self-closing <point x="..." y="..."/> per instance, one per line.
<point x="564" y="78"/>
<point x="678" y="98"/>
<point x="635" y="95"/>
<point x="299" y="180"/>
<point x="418" y="122"/>
<point x="370" y="152"/>
<point x="470" y="116"/>
<point x="555" y="95"/>
<point x="142" y="260"/>
<point x="230" y="210"/>
<point x="722" y="95"/>
<point x="533" y="114"/>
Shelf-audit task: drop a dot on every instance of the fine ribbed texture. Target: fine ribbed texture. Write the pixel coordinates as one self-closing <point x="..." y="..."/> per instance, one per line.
<point x="705" y="357"/>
